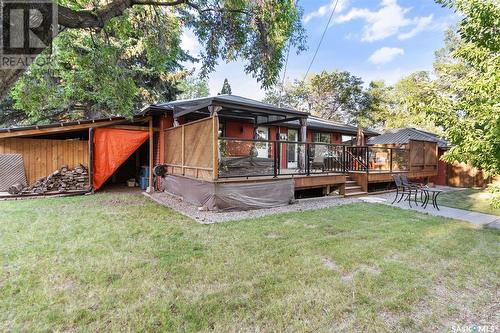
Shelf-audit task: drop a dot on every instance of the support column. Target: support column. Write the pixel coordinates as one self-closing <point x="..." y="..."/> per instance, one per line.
<point x="151" y="187"/>
<point x="303" y="139"/>
<point x="91" y="159"/>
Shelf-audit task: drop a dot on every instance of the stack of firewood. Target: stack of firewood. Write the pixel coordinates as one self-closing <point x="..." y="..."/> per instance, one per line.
<point x="62" y="180"/>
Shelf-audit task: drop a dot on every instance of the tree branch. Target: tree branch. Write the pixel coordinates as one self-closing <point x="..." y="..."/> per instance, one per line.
<point x="81" y="19"/>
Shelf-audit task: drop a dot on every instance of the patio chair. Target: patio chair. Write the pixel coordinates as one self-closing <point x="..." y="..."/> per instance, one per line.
<point x="415" y="187"/>
<point x="406" y="182"/>
<point x="401" y="189"/>
<point x="318" y="162"/>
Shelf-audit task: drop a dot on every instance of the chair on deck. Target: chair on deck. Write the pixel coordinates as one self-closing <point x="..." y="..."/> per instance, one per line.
<point x="318" y="162"/>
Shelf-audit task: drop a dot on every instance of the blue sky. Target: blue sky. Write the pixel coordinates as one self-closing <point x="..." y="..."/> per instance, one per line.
<point x="373" y="39"/>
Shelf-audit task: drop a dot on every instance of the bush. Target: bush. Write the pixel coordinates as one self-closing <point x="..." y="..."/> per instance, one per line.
<point x="494" y="189"/>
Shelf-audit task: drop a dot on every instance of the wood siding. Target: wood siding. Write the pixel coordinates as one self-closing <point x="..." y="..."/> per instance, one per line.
<point x="42" y="157"/>
<point x="423" y="156"/>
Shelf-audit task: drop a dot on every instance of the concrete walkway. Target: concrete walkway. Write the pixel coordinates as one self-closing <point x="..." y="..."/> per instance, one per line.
<point x="478" y="219"/>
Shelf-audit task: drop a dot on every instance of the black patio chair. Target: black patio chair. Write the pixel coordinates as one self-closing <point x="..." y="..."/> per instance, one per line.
<point x="406" y="182"/>
<point x="401" y="189"/>
<point x="415" y="187"/>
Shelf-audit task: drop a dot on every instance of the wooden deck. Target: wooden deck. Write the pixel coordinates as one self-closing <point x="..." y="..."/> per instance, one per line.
<point x="194" y="150"/>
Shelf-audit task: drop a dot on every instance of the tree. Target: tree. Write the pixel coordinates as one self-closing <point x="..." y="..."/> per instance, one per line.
<point x="408" y="101"/>
<point x="256" y="31"/>
<point x="377" y="110"/>
<point x="467" y="105"/>
<point x="336" y="95"/>
<point x="226" y="88"/>
<point x="133" y="61"/>
<point x="193" y="87"/>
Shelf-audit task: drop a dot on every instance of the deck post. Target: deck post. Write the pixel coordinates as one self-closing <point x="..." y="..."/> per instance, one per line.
<point x="308" y="159"/>
<point x="151" y="187"/>
<point x="275" y="158"/>
<point x="390" y="159"/>
<point x="344" y="169"/>
<point x="215" y="147"/>
<point x="367" y="160"/>
<point x="91" y="159"/>
<point x="303" y="139"/>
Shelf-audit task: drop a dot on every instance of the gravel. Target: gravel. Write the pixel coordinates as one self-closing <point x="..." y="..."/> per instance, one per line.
<point x="209" y="217"/>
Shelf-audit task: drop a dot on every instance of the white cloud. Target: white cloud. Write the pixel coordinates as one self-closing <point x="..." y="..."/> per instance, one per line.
<point x="190" y="43"/>
<point x="385" y="55"/>
<point x="326" y="10"/>
<point x="385" y="22"/>
<point x="421" y="24"/>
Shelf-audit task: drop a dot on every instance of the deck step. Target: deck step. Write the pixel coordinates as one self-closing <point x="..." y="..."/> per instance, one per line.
<point x="353" y="194"/>
<point x="350" y="182"/>
<point x="353" y="187"/>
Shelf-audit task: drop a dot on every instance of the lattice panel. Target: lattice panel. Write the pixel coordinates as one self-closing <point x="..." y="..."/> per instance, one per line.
<point x="198" y="144"/>
<point x="11" y="171"/>
<point x="173" y="146"/>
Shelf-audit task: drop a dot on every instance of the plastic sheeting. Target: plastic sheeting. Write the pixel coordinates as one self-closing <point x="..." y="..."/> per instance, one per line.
<point x="231" y="196"/>
<point x="112" y="147"/>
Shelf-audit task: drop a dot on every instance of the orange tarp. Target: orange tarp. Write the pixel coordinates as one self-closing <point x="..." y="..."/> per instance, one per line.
<point x="112" y="147"/>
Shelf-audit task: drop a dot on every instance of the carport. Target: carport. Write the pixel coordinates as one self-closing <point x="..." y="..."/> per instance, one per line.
<point x="34" y="155"/>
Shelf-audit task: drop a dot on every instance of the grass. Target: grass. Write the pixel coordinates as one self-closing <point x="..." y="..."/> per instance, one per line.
<point x="118" y="262"/>
<point x="469" y="199"/>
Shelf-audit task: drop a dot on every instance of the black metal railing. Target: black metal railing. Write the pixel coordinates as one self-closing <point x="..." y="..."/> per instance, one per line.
<point x="253" y="158"/>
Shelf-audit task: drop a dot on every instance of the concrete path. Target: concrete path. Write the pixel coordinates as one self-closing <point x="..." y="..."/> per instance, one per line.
<point x="478" y="219"/>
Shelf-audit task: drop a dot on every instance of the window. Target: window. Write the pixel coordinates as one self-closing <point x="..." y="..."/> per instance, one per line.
<point x="320" y="151"/>
<point x="348" y="139"/>
<point x="322" y="137"/>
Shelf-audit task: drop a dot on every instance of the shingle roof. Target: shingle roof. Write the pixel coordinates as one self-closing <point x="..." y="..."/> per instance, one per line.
<point x="404" y="135"/>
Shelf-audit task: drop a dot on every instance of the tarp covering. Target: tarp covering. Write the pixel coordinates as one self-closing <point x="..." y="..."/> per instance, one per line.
<point x="112" y="147"/>
<point x="231" y="196"/>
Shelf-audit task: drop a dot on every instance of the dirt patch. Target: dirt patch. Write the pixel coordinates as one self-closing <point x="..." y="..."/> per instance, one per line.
<point x="331" y="265"/>
<point x="273" y="235"/>
<point x="370" y="269"/>
<point x="290" y="222"/>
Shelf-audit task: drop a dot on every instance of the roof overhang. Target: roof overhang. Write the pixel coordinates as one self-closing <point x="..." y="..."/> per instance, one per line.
<point x="228" y="107"/>
<point x="69" y="126"/>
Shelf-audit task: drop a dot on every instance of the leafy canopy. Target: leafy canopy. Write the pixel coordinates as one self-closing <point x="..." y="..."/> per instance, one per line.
<point x="467" y="99"/>
<point x="335" y="95"/>
<point x="136" y="58"/>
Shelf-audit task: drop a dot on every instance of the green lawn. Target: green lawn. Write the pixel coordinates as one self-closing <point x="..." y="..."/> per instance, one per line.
<point x="118" y="262"/>
<point x="469" y="199"/>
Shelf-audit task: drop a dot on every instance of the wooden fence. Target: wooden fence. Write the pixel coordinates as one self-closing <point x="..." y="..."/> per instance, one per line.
<point x="192" y="149"/>
<point x="42" y="157"/>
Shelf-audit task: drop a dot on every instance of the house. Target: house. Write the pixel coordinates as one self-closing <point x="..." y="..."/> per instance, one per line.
<point x="448" y="174"/>
<point x="221" y="152"/>
<point x="224" y="152"/>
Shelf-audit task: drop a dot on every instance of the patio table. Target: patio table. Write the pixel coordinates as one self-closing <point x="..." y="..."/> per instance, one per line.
<point x="430" y="194"/>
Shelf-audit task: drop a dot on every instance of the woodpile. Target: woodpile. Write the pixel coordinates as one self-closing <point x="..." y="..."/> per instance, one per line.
<point x="60" y="181"/>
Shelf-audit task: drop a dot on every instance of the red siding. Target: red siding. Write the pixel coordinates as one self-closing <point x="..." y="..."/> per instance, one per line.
<point x="440" y="179"/>
<point x="242" y="130"/>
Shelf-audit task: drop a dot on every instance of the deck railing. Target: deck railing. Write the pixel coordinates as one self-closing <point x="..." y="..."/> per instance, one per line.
<point x="254" y="158"/>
